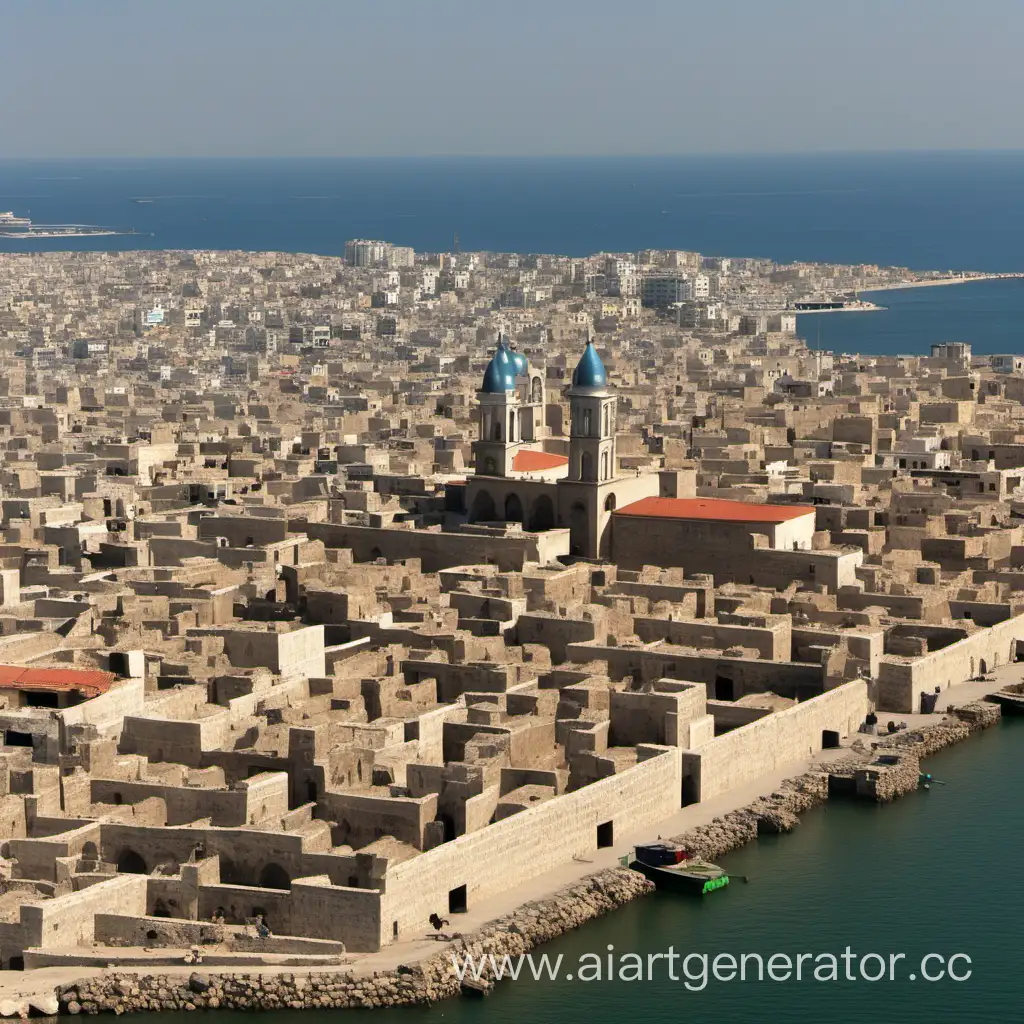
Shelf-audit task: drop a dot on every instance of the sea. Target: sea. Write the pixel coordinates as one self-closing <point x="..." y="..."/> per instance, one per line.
<point x="927" y="211"/>
<point x="935" y="874"/>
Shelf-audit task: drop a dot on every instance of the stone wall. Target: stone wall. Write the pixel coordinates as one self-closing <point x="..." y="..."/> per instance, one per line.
<point x="744" y="675"/>
<point x="427" y="982"/>
<point x="772" y="642"/>
<point x="763" y="746"/>
<point x="442" y="550"/>
<point x="901" y="681"/>
<point x="727" y="551"/>
<point x="516" y="849"/>
<point x="780" y="811"/>
<point x="70" y="920"/>
<point x="164" y="739"/>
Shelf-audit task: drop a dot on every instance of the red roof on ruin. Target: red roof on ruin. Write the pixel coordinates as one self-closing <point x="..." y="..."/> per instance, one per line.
<point x="18" y="677"/>
<point x="714" y="509"/>
<point x="535" y="462"/>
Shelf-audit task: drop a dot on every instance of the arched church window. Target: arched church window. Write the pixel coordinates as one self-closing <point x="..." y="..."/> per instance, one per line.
<point x="604" y="465"/>
<point x="586" y="423"/>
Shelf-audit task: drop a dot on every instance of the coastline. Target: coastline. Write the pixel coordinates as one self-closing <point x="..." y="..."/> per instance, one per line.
<point x="873" y="307"/>
<point x="28" y="236"/>
<point x="406" y="975"/>
<point x="862" y="306"/>
<point x="936" y="282"/>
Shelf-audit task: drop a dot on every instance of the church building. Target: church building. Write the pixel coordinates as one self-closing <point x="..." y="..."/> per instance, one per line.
<point x="515" y="480"/>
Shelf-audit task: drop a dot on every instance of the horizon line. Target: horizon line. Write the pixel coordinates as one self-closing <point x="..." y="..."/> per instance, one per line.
<point x="709" y="154"/>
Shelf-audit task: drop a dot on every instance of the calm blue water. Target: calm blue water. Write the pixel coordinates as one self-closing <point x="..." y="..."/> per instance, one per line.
<point x="986" y="313"/>
<point x="926" y="211"/>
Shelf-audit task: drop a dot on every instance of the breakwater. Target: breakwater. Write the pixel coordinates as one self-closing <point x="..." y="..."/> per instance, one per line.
<point x="532" y="924"/>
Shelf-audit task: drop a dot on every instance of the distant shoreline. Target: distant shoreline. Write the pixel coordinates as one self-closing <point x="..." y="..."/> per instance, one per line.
<point x="862" y="307"/>
<point x="28" y="235"/>
<point x="934" y="282"/>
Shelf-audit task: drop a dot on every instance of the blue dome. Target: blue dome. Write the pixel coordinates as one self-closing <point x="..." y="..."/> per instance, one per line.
<point x="590" y="371"/>
<point x="499" y="376"/>
<point x="519" y="362"/>
<point x="517" y="359"/>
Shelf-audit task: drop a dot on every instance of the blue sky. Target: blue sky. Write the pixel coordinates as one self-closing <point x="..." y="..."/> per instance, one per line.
<point x="533" y="77"/>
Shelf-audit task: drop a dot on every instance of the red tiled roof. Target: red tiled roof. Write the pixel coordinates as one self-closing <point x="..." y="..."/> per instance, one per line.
<point x="534" y="462"/>
<point x="719" y="509"/>
<point x="18" y="677"/>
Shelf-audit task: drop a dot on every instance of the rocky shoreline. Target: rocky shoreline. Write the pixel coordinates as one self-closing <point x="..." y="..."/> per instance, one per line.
<point x="530" y="925"/>
<point x="428" y="981"/>
<point x="780" y="812"/>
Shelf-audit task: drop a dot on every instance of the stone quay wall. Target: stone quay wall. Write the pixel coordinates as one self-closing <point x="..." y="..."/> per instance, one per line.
<point x="428" y="981"/>
<point x="520" y="931"/>
<point x="780" y="812"/>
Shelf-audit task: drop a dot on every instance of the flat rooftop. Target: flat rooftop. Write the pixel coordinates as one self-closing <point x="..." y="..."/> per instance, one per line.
<point x="714" y="509"/>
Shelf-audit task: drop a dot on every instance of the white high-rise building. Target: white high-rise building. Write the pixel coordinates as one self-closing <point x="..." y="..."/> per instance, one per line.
<point x="368" y="252"/>
<point x="364" y="252"/>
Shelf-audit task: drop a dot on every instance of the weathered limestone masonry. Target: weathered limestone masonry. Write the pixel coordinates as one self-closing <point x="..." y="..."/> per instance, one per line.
<point x="780" y="812"/>
<point x="426" y="982"/>
<point x="534" y="923"/>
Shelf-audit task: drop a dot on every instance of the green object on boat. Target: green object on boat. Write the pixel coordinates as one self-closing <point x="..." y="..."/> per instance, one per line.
<point x="715" y="883"/>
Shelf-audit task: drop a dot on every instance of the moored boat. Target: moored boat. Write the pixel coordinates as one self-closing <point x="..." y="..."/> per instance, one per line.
<point x="674" y="869"/>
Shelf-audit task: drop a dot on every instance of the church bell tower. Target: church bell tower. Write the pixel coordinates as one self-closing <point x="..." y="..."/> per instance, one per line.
<point x="592" y="408"/>
<point x="501" y="428"/>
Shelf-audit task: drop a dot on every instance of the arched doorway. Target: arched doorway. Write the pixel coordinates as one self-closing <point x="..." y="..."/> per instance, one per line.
<point x="513" y="509"/>
<point x="609" y="503"/>
<point x="273" y="876"/>
<point x="231" y="874"/>
<point x="131" y="863"/>
<point x="579" y="530"/>
<point x="482" y="509"/>
<point x="542" y="515"/>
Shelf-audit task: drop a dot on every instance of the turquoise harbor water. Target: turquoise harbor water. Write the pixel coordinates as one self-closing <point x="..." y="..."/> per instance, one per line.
<point x="936" y="873"/>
